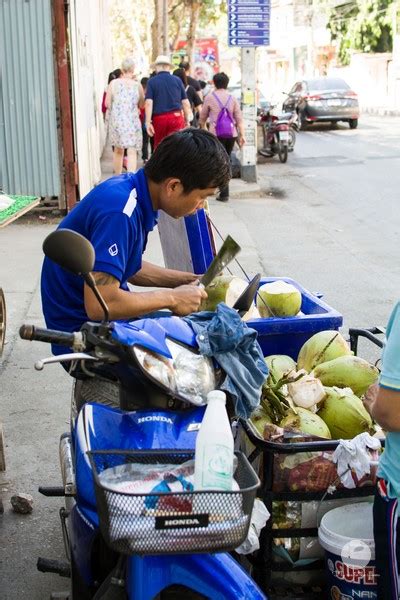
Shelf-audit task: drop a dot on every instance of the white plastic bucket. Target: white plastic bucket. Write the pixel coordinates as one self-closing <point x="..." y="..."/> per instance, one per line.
<point x="346" y="534"/>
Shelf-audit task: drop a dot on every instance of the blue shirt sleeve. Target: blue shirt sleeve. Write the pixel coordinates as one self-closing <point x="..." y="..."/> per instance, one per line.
<point x="149" y="91"/>
<point x="390" y="374"/>
<point x="113" y="237"/>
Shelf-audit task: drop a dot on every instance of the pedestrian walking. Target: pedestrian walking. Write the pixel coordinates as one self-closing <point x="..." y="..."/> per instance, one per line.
<point x="124" y="98"/>
<point x="113" y="75"/>
<point x="382" y="401"/>
<point x="195" y="83"/>
<point x="146" y="138"/>
<point x="167" y="107"/>
<point x="225" y="120"/>
<point x="192" y="95"/>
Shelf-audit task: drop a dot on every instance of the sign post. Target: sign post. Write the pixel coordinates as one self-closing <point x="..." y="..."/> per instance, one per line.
<point x="248" y="27"/>
<point x="249" y="111"/>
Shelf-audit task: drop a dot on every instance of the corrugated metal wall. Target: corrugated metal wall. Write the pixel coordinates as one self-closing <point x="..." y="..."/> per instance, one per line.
<point x="28" y="125"/>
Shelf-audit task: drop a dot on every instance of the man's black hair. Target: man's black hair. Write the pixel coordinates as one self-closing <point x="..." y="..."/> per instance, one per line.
<point x="181" y="73"/>
<point x="195" y="156"/>
<point x="184" y="65"/>
<point x="144" y="80"/>
<point x="221" y="81"/>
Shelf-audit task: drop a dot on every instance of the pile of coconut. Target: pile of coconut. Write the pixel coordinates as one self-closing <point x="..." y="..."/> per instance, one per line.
<point x="321" y="395"/>
<point x="276" y="299"/>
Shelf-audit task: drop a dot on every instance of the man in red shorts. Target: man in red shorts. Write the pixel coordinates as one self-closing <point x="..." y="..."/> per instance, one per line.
<point x="167" y="107"/>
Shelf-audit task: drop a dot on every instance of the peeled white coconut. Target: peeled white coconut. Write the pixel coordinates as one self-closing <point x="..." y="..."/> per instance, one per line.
<point x="278" y="299"/>
<point x="252" y="313"/>
<point x="307" y="392"/>
<point x="225" y="288"/>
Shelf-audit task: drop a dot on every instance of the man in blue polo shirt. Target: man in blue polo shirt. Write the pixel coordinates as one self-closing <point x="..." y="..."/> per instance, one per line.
<point x="117" y="216"/>
<point x="167" y="108"/>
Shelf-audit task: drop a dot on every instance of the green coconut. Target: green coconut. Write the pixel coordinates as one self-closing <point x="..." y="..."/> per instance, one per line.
<point x="306" y="422"/>
<point x="320" y="348"/>
<point x="260" y="419"/>
<point x="344" y="413"/>
<point x="224" y="288"/>
<point x="278" y="299"/>
<point x="347" y="372"/>
<point x="278" y="364"/>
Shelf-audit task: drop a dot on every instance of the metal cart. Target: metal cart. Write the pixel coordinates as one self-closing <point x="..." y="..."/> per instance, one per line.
<point x="271" y="453"/>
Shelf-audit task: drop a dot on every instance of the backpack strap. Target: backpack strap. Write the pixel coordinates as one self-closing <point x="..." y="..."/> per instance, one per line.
<point x="219" y="101"/>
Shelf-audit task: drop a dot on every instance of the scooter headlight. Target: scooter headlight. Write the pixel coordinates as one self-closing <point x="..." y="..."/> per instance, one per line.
<point x="187" y="375"/>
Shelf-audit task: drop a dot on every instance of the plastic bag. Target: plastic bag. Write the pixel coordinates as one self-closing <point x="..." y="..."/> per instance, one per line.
<point x="259" y="517"/>
<point x="136" y="478"/>
<point x="313" y="472"/>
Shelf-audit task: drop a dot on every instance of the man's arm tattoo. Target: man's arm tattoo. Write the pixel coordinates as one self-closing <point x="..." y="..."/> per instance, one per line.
<point x="104" y="278"/>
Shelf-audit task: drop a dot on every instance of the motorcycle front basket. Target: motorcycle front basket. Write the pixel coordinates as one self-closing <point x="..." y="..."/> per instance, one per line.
<point x="171" y="522"/>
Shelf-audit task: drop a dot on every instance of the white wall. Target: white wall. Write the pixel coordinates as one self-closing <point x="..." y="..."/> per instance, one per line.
<point x="90" y="65"/>
<point x="370" y="76"/>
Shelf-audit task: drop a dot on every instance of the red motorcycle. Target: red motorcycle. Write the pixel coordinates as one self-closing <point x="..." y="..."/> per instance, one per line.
<point x="277" y="138"/>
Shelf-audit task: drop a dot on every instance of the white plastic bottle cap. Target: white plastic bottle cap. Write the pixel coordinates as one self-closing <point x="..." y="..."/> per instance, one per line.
<point x="216" y="395"/>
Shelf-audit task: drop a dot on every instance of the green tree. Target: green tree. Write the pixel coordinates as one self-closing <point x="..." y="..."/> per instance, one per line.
<point x="362" y="25"/>
<point x="189" y="17"/>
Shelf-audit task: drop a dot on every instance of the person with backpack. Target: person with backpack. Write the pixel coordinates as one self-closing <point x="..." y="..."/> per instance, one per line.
<point x="225" y="120"/>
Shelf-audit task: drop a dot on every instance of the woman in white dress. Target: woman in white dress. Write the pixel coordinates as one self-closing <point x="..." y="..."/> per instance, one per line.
<point x="124" y="98"/>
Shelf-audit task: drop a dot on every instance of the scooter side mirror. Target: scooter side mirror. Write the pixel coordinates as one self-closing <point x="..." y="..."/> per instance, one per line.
<point x="70" y="250"/>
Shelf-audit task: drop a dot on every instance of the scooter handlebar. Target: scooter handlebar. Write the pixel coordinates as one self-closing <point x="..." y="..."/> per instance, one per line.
<point x="39" y="334"/>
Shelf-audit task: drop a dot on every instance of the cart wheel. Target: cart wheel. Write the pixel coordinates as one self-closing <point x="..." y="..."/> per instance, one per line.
<point x="3" y="320"/>
<point x="282" y="153"/>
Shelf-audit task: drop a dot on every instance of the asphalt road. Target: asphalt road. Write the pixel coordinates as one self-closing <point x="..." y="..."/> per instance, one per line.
<point x="332" y="220"/>
<point x="328" y="219"/>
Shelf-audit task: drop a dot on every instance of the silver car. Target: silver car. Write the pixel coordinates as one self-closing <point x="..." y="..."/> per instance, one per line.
<point x="323" y="99"/>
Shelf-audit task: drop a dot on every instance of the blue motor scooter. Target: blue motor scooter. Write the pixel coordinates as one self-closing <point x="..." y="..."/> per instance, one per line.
<point x="163" y="543"/>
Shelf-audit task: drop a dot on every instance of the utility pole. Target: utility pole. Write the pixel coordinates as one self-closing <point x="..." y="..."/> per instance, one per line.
<point x="396" y="53"/>
<point x="249" y="110"/>
<point x="248" y="27"/>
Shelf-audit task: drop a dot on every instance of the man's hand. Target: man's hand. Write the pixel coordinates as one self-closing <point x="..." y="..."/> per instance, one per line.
<point x="154" y="276"/>
<point x="187" y="299"/>
<point x="189" y="278"/>
<point x="370" y="397"/>
<point x="150" y="129"/>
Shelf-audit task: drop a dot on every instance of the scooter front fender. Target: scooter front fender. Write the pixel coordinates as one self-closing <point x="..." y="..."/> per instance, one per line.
<point x="216" y="576"/>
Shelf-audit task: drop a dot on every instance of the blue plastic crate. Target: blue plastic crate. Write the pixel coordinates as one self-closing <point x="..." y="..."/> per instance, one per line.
<point x="278" y="335"/>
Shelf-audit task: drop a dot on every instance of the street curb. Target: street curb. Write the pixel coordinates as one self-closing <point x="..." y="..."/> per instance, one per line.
<point x="380" y="111"/>
<point x="242" y="189"/>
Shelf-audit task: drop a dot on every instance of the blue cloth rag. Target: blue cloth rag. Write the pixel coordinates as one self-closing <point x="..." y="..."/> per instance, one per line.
<point x="224" y="336"/>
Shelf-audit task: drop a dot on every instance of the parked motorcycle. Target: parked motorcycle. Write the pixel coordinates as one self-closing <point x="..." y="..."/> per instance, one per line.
<point x="141" y="545"/>
<point x="279" y="133"/>
<point x="294" y="127"/>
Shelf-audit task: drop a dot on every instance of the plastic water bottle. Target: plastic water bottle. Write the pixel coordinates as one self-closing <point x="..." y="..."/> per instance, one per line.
<point x="214" y="455"/>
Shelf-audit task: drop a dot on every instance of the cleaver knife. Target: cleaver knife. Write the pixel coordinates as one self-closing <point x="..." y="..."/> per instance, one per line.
<point x="225" y="255"/>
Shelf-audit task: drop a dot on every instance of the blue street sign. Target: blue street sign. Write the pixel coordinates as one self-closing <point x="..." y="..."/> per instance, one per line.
<point x="249" y="22"/>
